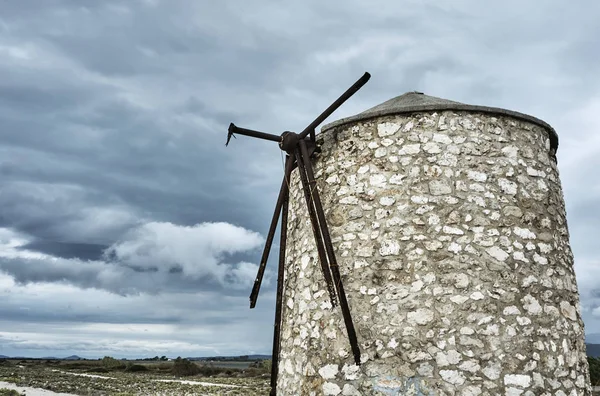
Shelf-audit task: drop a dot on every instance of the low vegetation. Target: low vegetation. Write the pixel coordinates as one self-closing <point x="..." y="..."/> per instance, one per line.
<point x="184" y="368"/>
<point x="113" y="377"/>
<point x="594" y="370"/>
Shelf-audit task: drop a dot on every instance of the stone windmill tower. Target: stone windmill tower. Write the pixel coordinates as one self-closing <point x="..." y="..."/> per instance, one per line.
<point x="450" y="231"/>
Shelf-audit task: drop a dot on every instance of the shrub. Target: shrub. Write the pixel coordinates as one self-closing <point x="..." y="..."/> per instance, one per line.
<point x="111" y="363"/>
<point x="207" y="371"/>
<point x="97" y="370"/>
<point x="183" y="367"/>
<point x="9" y="392"/>
<point x="163" y="366"/>
<point x="266" y="364"/>
<point x="594" y="370"/>
<point x="135" y="368"/>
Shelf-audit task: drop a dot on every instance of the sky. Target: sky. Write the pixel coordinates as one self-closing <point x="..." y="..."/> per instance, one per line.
<point x="127" y="228"/>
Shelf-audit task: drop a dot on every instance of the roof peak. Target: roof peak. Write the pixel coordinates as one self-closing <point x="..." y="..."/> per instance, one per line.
<point x="409" y="101"/>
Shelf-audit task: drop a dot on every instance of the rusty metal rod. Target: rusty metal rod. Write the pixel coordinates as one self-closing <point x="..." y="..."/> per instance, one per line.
<point x="334" y="106"/>
<point x="283" y="192"/>
<point x="333" y="265"/>
<point x="249" y="132"/>
<point x="315" y="227"/>
<point x="280" y="280"/>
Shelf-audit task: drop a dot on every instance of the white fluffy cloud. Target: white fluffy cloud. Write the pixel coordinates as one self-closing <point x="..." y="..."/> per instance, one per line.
<point x="199" y="251"/>
<point x="151" y="257"/>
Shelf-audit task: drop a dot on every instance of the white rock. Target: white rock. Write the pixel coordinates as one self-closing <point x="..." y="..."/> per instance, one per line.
<point x="351" y="372"/>
<point x="387" y="129"/>
<point x="492" y="371"/>
<point x="387" y="201"/>
<point x="389" y="248"/>
<point x="529" y="281"/>
<point x="447" y="358"/>
<point x="461" y="281"/>
<point x="397" y="179"/>
<point x="419" y="199"/>
<point x="364" y="169"/>
<point x="511" y="310"/>
<point x="452" y="376"/>
<point x="288" y="367"/>
<point x="380" y="152"/>
<point x="459" y="299"/>
<point x="510" y="151"/>
<point x="425" y="370"/>
<point x="524" y="233"/>
<point x="452" y="230"/>
<point x="517" y="380"/>
<point x="329" y="371"/>
<point x="410" y="149"/>
<point x="477" y="296"/>
<point x="520" y="256"/>
<point x="432" y="148"/>
<point x="349" y="200"/>
<point x="471" y="391"/>
<point x="470" y="365"/>
<point x="438" y="187"/>
<point x="476" y="176"/>
<point x="531" y="305"/>
<point x="497" y="253"/>
<point x="420" y="316"/>
<point x="507" y="186"/>
<point x="350" y="390"/>
<point x="377" y="180"/>
<point x="540" y="259"/>
<point x="568" y="310"/>
<point x="454" y="247"/>
<point x="441" y="138"/>
<point x="331" y="389"/>
<point x="332" y="179"/>
<point x="523" y="320"/>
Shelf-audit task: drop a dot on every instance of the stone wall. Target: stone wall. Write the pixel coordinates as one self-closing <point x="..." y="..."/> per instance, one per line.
<point x="451" y="235"/>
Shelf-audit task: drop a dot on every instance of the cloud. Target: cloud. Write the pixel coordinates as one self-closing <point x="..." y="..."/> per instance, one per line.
<point x="95" y="323"/>
<point x="198" y="251"/>
<point x="64" y="212"/>
<point x="154" y="257"/>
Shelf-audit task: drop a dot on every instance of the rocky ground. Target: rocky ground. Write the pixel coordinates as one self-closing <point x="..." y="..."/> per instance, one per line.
<point x="81" y="380"/>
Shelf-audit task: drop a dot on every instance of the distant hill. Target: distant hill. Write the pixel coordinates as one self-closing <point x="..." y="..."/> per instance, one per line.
<point x="73" y="357"/>
<point x="593" y="350"/>
<point x="3" y="357"/>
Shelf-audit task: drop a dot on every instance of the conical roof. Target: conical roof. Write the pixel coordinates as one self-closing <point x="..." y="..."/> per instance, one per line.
<point x="413" y="102"/>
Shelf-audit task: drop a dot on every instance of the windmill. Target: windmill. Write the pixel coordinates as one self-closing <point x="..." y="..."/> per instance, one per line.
<point x="300" y="147"/>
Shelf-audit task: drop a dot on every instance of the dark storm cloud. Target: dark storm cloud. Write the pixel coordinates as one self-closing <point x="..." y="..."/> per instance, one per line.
<point x="152" y="140"/>
<point x="84" y="251"/>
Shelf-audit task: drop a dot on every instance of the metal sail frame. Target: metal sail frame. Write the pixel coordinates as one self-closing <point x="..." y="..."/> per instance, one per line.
<point x="300" y="147"/>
